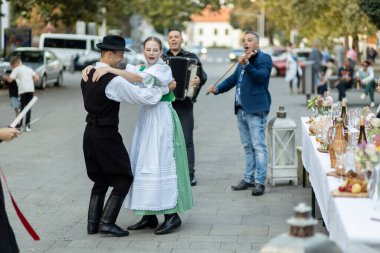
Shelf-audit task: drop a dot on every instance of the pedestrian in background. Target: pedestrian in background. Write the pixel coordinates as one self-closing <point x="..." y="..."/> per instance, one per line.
<point x="365" y="75"/>
<point x="377" y="81"/>
<point x="352" y="56"/>
<point x="339" y="54"/>
<point x="24" y="77"/>
<point x="13" y="95"/>
<point x="8" y="242"/>
<point x="185" y="108"/>
<point x="293" y="70"/>
<point x="252" y="105"/>
<point x="345" y="78"/>
<point x="316" y="57"/>
<point x="324" y="79"/>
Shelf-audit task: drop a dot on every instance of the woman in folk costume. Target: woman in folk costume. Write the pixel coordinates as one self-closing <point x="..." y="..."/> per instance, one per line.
<point x="158" y="153"/>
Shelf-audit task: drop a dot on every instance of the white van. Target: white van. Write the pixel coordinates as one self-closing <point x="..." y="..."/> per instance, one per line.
<point x="72" y="48"/>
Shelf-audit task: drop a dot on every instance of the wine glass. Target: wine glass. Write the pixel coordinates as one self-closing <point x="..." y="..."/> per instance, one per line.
<point x="340" y="161"/>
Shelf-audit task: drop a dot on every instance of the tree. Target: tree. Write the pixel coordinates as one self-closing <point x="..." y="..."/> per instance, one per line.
<point x="372" y="9"/>
<point x="161" y="14"/>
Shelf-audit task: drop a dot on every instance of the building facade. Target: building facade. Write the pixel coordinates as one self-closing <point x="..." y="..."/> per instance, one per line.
<point x="213" y="29"/>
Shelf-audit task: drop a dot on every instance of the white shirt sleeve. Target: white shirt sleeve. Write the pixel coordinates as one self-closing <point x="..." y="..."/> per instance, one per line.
<point x="120" y="90"/>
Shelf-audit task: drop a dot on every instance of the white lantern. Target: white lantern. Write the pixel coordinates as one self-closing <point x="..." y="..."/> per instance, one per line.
<point x="301" y="237"/>
<point x="282" y="153"/>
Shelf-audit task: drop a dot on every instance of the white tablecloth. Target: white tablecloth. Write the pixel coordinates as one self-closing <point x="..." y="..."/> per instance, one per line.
<point x="347" y="219"/>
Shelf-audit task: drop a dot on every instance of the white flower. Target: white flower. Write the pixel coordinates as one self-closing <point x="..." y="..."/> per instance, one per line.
<point x="370" y="116"/>
<point x="375" y="122"/>
<point x="370" y="149"/>
<point x="374" y="158"/>
<point x="329" y="100"/>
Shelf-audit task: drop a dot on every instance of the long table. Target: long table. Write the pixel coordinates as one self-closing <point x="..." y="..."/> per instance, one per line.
<point x="347" y="219"/>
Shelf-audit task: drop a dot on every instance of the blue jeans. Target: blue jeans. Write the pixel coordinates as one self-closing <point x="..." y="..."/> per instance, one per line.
<point x="252" y="135"/>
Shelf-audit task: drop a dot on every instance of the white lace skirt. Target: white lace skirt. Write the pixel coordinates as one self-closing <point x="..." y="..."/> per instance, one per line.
<point x="154" y="186"/>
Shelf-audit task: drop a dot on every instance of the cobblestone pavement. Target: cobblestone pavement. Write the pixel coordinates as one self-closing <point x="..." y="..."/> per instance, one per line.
<point x="46" y="172"/>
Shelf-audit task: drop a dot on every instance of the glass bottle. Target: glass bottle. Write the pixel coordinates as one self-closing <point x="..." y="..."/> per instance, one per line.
<point x="362" y="135"/>
<point x="343" y="115"/>
<point x="338" y="143"/>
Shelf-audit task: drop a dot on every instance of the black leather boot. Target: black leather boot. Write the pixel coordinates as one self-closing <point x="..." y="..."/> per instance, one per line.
<point x="147" y="221"/>
<point x="111" y="211"/>
<point x="172" y="221"/>
<point x="95" y="210"/>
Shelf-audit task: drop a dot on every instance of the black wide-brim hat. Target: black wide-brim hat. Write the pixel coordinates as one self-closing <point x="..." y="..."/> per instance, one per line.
<point x="113" y="43"/>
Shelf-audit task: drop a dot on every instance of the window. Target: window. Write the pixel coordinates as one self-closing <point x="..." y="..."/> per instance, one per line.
<point x="200" y="31"/>
<point x="215" y="31"/>
<point x="226" y="32"/>
<point x="65" y="43"/>
<point x="93" y="45"/>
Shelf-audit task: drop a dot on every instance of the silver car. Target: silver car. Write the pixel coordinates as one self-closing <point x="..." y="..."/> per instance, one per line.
<point x="43" y="61"/>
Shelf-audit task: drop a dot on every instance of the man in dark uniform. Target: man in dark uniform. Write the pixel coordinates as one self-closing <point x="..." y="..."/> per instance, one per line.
<point x="184" y="108"/>
<point x="107" y="160"/>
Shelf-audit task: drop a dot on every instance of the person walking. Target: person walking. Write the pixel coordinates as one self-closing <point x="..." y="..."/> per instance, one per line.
<point x="293" y="70"/>
<point x="13" y="95"/>
<point x="185" y="108"/>
<point x="106" y="158"/>
<point x="24" y="77"/>
<point x="8" y="242"/>
<point x="252" y="105"/>
<point x="316" y="57"/>
<point x="339" y="54"/>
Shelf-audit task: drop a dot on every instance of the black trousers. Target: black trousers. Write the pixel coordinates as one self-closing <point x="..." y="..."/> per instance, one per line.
<point x="185" y="113"/>
<point x="24" y="100"/>
<point x="7" y="238"/>
<point x="342" y="87"/>
<point x="107" y="160"/>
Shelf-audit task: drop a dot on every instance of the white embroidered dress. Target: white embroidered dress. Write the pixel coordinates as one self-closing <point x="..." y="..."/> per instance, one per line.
<point x="154" y="186"/>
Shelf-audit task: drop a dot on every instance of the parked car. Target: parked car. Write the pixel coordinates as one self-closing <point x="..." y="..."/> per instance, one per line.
<point x="279" y="61"/>
<point x="43" y="61"/>
<point x="235" y="54"/>
<point x="71" y="47"/>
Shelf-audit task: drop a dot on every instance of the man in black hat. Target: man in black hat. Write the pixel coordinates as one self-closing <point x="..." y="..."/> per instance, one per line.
<point x="107" y="160"/>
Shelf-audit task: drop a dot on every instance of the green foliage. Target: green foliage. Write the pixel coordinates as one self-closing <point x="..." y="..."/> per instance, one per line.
<point x="161" y="14"/>
<point x="313" y="19"/>
<point x="372" y="9"/>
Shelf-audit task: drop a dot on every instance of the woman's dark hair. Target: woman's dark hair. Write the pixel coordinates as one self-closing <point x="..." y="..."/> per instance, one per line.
<point x="154" y="39"/>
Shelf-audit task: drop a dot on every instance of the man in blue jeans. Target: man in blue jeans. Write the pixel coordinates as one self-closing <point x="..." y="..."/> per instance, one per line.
<point x="252" y="104"/>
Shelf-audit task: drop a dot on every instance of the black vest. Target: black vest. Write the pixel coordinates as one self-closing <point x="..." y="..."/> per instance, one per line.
<point x="102" y="111"/>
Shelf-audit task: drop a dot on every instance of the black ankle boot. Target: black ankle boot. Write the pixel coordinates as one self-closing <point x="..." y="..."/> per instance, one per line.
<point x="147" y="221"/>
<point x="111" y="211"/>
<point x="172" y="221"/>
<point x="95" y="210"/>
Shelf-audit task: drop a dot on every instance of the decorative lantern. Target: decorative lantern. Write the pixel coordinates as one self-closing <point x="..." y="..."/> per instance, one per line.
<point x="282" y="154"/>
<point x="301" y="237"/>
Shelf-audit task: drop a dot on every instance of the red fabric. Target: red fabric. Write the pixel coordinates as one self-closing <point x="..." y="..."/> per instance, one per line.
<point x="24" y="221"/>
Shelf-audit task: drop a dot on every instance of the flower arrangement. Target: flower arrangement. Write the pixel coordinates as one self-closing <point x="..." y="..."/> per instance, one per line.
<point x="373" y="132"/>
<point x="366" y="155"/>
<point x="312" y="103"/>
<point x="318" y="104"/>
